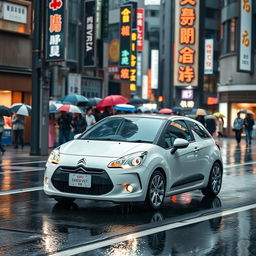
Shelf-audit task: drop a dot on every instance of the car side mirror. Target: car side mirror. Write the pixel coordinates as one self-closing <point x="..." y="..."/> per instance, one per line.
<point x="178" y="144"/>
<point x="77" y="136"/>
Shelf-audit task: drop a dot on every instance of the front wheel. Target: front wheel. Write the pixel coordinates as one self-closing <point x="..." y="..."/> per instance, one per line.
<point x="156" y="190"/>
<point x="64" y="200"/>
<point x="215" y="181"/>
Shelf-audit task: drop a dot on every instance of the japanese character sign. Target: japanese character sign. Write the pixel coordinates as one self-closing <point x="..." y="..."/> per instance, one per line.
<point x="140" y="29"/>
<point x="245" y="44"/>
<point x="55" y="34"/>
<point x="186" y="41"/>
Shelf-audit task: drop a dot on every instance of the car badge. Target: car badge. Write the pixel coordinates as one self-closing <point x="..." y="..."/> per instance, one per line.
<point x="82" y="162"/>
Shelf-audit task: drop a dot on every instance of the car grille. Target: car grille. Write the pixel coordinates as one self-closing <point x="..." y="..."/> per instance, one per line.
<point x="101" y="183"/>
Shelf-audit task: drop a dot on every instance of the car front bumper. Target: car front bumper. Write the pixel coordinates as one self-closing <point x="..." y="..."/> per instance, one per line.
<point x="109" y="185"/>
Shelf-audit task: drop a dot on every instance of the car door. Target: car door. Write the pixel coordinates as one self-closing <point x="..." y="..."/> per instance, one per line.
<point x="183" y="162"/>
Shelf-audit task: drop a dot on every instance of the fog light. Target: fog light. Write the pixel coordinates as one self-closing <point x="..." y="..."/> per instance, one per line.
<point x="46" y="180"/>
<point x="129" y="188"/>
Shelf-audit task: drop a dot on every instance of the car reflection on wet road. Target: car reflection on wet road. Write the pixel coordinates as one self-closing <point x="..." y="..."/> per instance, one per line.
<point x="188" y="224"/>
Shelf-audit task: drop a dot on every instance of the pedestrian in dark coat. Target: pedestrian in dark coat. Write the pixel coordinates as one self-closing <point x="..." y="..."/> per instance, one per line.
<point x="238" y="127"/>
<point x="79" y="124"/>
<point x="1" y="133"/>
<point x="64" y="122"/>
<point x="248" y="126"/>
<point x="211" y="126"/>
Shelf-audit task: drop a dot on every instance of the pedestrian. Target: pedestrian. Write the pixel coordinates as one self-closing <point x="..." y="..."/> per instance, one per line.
<point x="64" y="122"/>
<point x="201" y="119"/>
<point x="1" y="134"/>
<point x="78" y="123"/>
<point x="97" y="114"/>
<point x="211" y="126"/>
<point x="220" y="125"/>
<point x="90" y="119"/>
<point x="52" y="123"/>
<point x="108" y="111"/>
<point x="18" y="125"/>
<point x="238" y="127"/>
<point x="248" y="126"/>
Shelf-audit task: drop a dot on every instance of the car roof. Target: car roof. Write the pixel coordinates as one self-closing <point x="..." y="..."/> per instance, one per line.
<point x="154" y="116"/>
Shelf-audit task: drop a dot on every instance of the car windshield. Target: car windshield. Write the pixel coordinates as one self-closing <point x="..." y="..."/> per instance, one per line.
<point x="130" y="129"/>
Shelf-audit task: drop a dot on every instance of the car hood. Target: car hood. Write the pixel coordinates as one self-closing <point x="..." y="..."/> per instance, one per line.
<point x="112" y="149"/>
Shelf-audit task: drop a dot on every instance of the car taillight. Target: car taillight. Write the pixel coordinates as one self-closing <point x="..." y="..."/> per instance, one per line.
<point x="217" y="144"/>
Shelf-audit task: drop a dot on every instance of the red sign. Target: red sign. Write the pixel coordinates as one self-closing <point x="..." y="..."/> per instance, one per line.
<point x="212" y="101"/>
<point x="140" y="29"/>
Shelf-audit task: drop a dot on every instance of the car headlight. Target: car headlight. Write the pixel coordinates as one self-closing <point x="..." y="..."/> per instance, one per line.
<point x="129" y="161"/>
<point x="54" y="157"/>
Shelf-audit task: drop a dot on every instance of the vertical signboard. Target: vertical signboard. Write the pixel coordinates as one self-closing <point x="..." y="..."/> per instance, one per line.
<point x="245" y="43"/>
<point x="89" y="46"/>
<point x="145" y="87"/>
<point x="55" y="30"/>
<point x="125" y="41"/>
<point x="186" y="42"/>
<point x="140" y="29"/>
<point x="208" y="57"/>
<point x="104" y="20"/>
<point x="139" y="69"/>
<point x="133" y="62"/>
<point x="154" y="69"/>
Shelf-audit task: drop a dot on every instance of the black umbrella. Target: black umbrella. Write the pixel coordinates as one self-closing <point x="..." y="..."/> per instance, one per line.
<point x="4" y="111"/>
<point x="136" y="100"/>
<point x="93" y="101"/>
<point x="178" y="110"/>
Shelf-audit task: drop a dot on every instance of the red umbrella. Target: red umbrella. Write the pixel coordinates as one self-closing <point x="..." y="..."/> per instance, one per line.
<point x="111" y="101"/>
<point x="165" y="111"/>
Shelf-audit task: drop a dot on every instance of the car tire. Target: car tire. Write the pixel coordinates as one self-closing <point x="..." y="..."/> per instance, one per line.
<point x="156" y="190"/>
<point x="64" y="200"/>
<point x="215" y="181"/>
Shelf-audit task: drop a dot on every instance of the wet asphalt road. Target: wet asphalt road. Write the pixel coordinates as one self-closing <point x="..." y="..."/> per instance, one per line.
<point x="188" y="224"/>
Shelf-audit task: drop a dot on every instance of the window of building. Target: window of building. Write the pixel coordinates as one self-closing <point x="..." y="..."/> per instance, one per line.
<point x="232" y="35"/>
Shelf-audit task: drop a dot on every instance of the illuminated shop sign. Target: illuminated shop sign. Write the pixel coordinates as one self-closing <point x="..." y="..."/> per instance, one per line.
<point x="140" y="29"/>
<point x="89" y="48"/>
<point x="125" y="41"/>
<point x="245" y="44"/>
<point x="55" y="30"/>
<point x="133" y="62"/>
<point x="208" y="57"/>
<point x="187" y="103"/>
<point x="187" y="94"/>
<point x="186" y="43"/>
<point x="154" y="68"/>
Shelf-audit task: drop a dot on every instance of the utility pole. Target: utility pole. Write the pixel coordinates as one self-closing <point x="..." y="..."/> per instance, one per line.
<point x="40" y="84"/>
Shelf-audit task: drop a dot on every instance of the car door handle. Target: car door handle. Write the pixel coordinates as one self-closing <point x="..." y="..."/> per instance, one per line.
<point x="196" y="149"/>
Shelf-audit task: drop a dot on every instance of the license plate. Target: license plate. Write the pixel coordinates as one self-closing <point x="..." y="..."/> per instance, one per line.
<point x="80" y="180"/>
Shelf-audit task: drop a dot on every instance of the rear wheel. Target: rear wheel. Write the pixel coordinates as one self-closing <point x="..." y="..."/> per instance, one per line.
<point x="215" y="181"/>
<point x="156" y="190"/>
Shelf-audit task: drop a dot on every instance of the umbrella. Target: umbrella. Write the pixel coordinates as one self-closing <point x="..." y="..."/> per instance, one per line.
<point x="199" y="112"/>
<point x="111" y="101"/>
<point x="136" y="100"/>
<point x="74" y="98"/>
<point x="144" y="109"/>
<point x="69" y="108"/>
<point x="218" y="114"/>
<point x="245" y="111"/>
<point x="53" y="108"/>
<point x="21" y="109"/>
<point x="125" y="107"/>
<point x="210" y="117"/>
<point x="165" y="111"/>
<point x="93" y="101"/>
<point x="4" y="111"/>
<point x="177" y="110"/>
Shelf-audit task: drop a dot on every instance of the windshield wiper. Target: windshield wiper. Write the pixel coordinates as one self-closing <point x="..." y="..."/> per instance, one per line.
<point x="140" y="141"/>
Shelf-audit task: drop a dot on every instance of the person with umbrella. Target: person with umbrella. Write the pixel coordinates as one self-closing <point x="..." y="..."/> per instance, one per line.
<point x="248" y="126"/>
<point x="64" y="122"/>
<point x="108" y="111"/>
<point x="78" y="123"/>
<point x="238" y="127"/>
<point x="1" y="134"/>
<point x="90" y="119"/>
<point x="18" y="125"/>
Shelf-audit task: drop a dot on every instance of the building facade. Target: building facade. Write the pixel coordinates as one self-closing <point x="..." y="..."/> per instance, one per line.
<point x="237" y="84"/>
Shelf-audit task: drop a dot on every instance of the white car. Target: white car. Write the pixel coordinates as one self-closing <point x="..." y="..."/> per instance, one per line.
<point x="135" y="158"/>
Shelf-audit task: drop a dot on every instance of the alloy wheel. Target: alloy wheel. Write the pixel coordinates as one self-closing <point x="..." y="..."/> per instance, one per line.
<point x="216" y="179"/>
<point x="157" y="190"/>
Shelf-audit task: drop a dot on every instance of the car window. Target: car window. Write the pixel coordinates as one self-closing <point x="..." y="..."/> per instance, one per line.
<point x="130" y="129"/>
<point x="199" y="130"/>
<point x="176" y="129"/>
